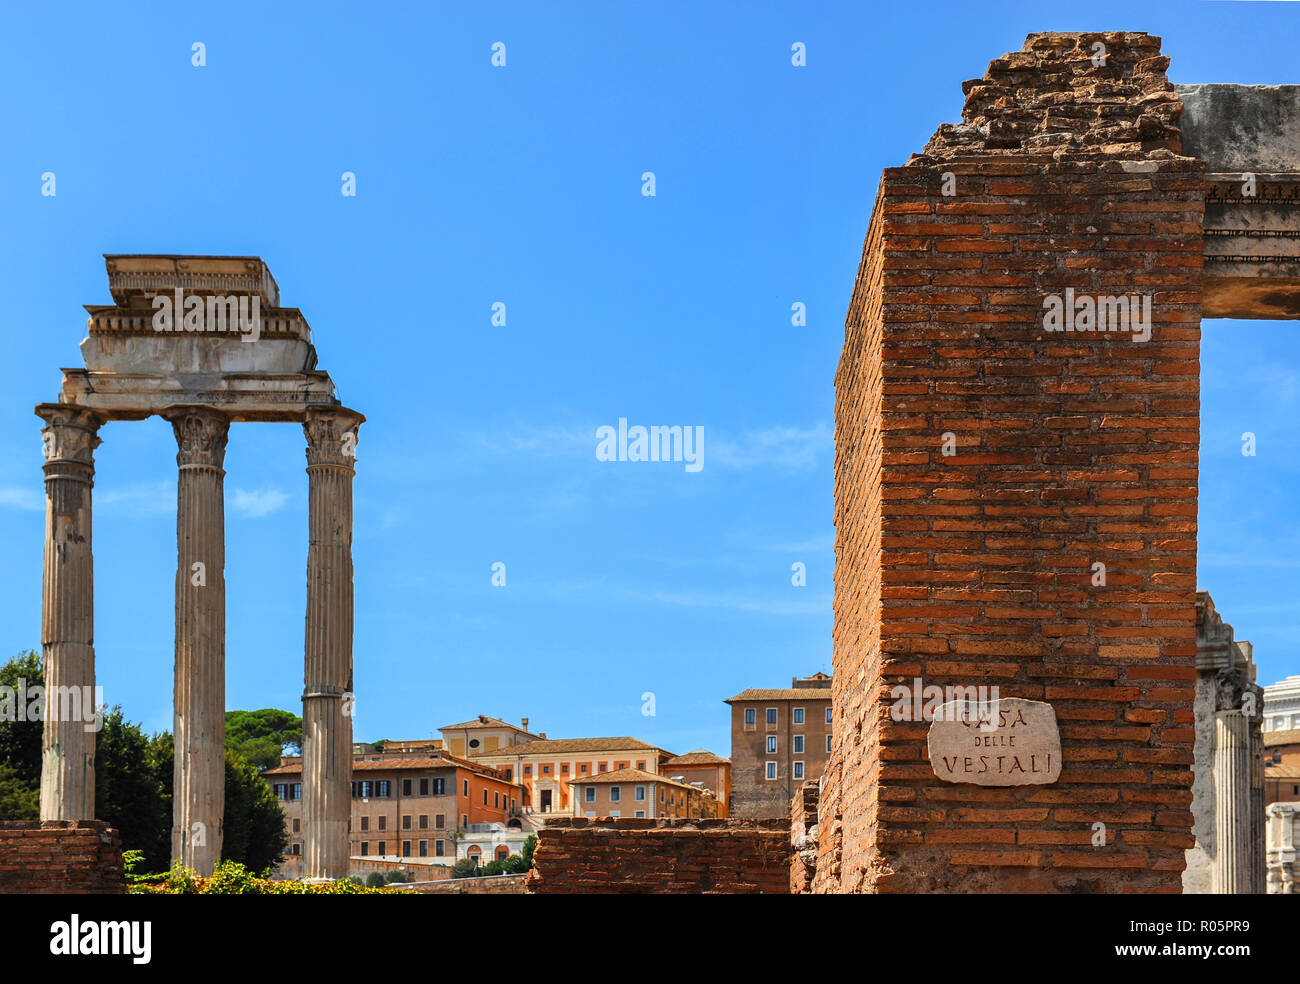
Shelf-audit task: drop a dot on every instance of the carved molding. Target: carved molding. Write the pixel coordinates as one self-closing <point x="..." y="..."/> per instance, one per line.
<point x="332" y="434"/>
<point x="201" y="434"/>
<point x="70" y="433"/>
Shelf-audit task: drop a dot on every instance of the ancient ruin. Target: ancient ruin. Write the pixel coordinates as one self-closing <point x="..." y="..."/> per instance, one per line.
<point x="1017" y="437"/>
<point x="203" y="342"/>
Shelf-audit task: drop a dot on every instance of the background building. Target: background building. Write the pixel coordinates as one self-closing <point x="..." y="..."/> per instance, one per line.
<point x="545" y="768"/>
<point x="1282" y="705"/>
<point x="702" y="766"/>
<point x="639" y="794"/>
<point x="408" y="806"/>
<point x="779" y="739"/>
<point x="484" y="734"/>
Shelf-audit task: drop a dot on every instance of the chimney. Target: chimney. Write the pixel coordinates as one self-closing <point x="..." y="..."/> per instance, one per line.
<point x="525" y="724"/>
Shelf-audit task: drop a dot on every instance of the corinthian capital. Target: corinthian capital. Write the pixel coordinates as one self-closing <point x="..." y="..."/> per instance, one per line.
<point x="201" y="434"/>
<point x="332" y="434"/>
<point x="70" y="434"/>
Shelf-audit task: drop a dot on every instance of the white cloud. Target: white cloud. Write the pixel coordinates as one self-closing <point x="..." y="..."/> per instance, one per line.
<point x="258" y="503"/>
<point x="156" y="499"/>
<point x="23" y="498"/>
<point x="793" y="448"/>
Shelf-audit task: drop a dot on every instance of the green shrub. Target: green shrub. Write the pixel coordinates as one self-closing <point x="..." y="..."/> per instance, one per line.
<point x="375" y="879"/>
<point x="398" y="875"/>
<point x="464" y="868"/>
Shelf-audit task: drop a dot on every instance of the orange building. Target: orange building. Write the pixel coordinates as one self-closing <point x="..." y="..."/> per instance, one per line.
<point x="702" y="766"/>
<point x="407" y="806"/>
<point x="1281" y="766"/>
<point x="640" y="794"/>
<point x="484" y="734"/>
<point x="545" y="768"/>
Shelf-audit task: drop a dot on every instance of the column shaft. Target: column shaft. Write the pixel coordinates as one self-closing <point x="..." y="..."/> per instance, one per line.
<point x="199" y="773"/>
<point x="327" y="677"/>
<point x="1232" y="830"/>
<point x="68" y="614"/>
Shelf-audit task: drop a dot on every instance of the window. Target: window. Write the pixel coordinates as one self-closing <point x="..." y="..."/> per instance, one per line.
<point x="603" y="768"/>
<point x="546" y="770"/>
<point x="297" y="849"/>
<point x="465" y="786"/>
<point x="365" y="848"/>
<point x="616" y="813"/>
<point x="464" y="820"/>
<point x="640" y="813"/>
<point x="365" y="788"/>
<point x="589" y="794"/>
<point x="496" y="800"/>
<point x="661" y="794"/>
<point x="798" y="770"/>
<point x="424" y="821"/>
<point x="798" y="716"/>
<point x="383" y="848"/>
<point x="564" y="769"/>
<point x="406" y="787"/>
<point x="828" y="744"/>
<point x="771" y="744"/>
<point x="641" y="766"/>
<point x="798" y="744"/>
<point x="584" y="768"/>
<point x="297" y="825"/>
<point x="439" y="787"/>
<point x="615" y="793"/>
<point x="828" y="715"/>
<point x="406" y="849"/>
<point x="438" y="848"/>
<point x="406" y="821"/>
<point x="771" y="770"/>
<point x="279" y="790"/>
<point x="297" y="791"/>
<point x="750" y="714"/>
<point x="424" y="787"/>
<point x="771" y="717"/>
<point x="473" y="743"/>
<point x="424" y="849"/>
<point x="365" y="823"/>
<point x="485" y="792"/>
<point x="383" y="788"/>
<point x="439" y="820"/>
<point x="640" y="793"/>
<point x="383" y="822"/>
<point x="510" y="775"/>
<point x="528" y="770"/>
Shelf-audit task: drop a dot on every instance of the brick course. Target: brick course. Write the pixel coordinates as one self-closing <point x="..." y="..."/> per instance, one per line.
<point x="1071" y="449"/>
<point x="631" y="856"/>
<point x="60" y="857"/>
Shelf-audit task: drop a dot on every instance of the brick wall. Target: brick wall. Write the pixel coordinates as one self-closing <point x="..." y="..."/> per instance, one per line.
<point x="803" y="838"/>
<point x="1070" y="449"/>
<point x="631" y="856"/>
<point x="60" y="856"/>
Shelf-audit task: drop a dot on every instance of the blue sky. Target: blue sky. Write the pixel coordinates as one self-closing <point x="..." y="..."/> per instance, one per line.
<point x="522" y="185"/>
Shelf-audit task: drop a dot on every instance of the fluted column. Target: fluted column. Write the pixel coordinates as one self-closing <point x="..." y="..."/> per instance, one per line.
<point x="1232" y="830"/>
<point x="68" y="613"/>
<point x="327" y="678"/>
<point x="199" y="774"/>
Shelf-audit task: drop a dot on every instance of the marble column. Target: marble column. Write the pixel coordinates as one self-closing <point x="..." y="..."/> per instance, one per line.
<point x="199" y="773"/>
<point x="68" y="614"/>
<point x="1232" y="813"/>
<point x="327" y="679"/>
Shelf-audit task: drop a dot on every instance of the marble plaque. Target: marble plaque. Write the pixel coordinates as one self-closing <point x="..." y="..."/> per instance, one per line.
<point x="1005" y="742"/>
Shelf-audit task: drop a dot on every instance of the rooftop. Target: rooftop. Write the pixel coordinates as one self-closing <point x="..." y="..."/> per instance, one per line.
<point x="566" y="746"/>
<point x="633" y="776"/>
<point x="700" y="756"/>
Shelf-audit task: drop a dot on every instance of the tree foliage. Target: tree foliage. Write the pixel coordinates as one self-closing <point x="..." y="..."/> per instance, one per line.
<point x="262" y="736"/>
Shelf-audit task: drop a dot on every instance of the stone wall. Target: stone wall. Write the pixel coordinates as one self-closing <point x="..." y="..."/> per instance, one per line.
<point x="804" y="837"/>
<point x="632" y="856"/>
<point x="60" y="856"/>
<point x="984" y="465"/>
<point x="487" y="885"/>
